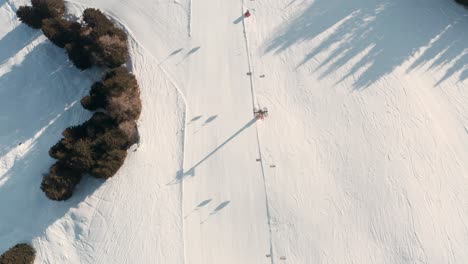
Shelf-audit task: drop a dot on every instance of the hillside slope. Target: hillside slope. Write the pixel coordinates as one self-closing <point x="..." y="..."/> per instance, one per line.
<point x="132" y="218"/>
<point x="368" y="106"/>
<point x="361" y="160"/>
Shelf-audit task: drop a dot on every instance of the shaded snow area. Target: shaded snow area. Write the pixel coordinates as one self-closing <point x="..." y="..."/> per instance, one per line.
<point x="363" y="158"/>
<point x="132" y="218"/>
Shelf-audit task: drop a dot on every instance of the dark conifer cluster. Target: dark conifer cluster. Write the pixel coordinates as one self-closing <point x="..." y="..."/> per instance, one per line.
<point x="99" y="146"/>
<point x="19" y="254"/>
<point x="95" y="41"/>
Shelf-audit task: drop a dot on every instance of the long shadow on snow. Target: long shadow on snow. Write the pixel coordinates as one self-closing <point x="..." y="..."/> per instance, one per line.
<point x="30" y="96"/>
<point x="35" y="110"/>
<point x="26" y="212"/>
<point x="380" y="36"/>
<point x="180" y="175"/>
<point x="218" y="208"/>
<point x="15" y="40"/>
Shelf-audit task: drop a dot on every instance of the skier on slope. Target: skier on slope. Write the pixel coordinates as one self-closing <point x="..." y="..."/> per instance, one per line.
<point x="247" y="13"/>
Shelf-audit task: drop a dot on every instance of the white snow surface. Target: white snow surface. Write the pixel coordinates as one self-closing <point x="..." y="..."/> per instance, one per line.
<point x="363" y="158"/>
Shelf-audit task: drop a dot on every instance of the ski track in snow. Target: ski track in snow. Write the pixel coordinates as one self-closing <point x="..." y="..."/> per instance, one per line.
<point x="254" y="105"/>
<point x="202" y="234"/>
<point x="190" y="18"/>
<point x="168" y="76"/>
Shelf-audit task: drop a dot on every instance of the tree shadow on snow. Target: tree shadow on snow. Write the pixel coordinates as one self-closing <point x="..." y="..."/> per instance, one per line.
<point x="39" y="98"/>
<point x="30" y="96"/>
<point x="16" y="40"/>
<point x="380" y="36"/>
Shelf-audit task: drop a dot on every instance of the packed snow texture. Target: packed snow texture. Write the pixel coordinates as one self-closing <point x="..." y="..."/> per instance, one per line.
<point x="361" y="160"/>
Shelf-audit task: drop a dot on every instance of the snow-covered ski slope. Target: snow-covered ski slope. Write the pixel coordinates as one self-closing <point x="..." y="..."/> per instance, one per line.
<point x="362" y="159"/>
<point x="132" y="218"/>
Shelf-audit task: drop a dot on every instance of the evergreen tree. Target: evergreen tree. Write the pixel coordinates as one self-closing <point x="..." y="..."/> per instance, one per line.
<point x="19" y="254"/>
<point x="29" y="16"/>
